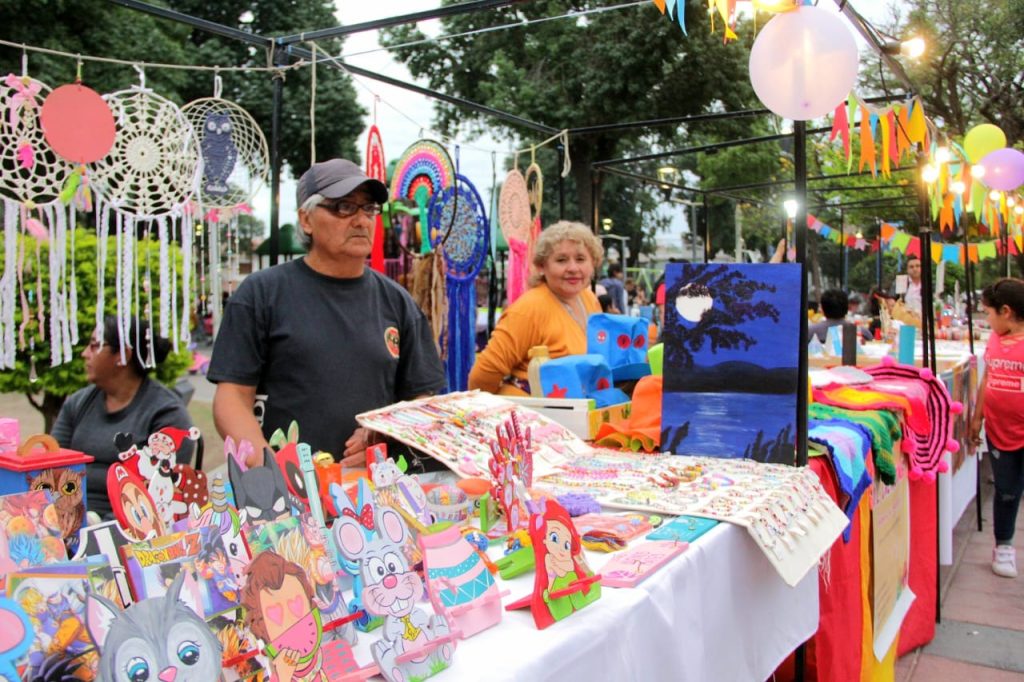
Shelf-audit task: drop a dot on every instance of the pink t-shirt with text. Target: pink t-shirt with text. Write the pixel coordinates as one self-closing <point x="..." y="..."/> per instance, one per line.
<point x="1004" y="392"/>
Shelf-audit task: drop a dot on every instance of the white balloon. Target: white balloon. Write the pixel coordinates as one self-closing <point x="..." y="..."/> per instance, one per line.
<point x="804" y="63"/>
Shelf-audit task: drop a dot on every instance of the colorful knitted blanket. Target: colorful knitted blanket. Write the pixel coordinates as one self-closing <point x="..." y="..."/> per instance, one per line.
<point x="848" y="446"/>
<point x="884" y="427"/>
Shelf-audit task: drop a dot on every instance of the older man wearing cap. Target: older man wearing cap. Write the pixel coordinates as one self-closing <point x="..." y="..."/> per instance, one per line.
<point x="320" y="339"/>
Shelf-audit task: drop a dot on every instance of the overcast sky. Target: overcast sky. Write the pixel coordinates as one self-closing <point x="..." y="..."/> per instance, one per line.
<point x="401" y="115"/>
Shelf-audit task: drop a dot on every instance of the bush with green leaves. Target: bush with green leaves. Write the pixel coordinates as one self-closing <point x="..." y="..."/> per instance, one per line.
<point x="52" y="384"/>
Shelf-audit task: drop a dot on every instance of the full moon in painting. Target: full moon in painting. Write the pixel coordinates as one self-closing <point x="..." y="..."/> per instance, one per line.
<point x="693" y="301"/>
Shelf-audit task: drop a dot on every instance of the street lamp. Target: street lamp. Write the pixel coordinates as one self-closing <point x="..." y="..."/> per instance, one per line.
<point x="606" y="223"/>
<point x="791" y="206"/>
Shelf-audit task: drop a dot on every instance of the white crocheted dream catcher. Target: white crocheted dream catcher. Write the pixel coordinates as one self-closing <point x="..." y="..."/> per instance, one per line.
<point x="535" y="193"/>
<point x="31" y="175"/>
<point x="148" y="179"/>
<point x="235" y="164"/>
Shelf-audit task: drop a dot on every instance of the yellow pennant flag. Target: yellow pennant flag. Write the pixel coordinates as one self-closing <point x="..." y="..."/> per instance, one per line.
<point x="936" y="252"/>
<point x="917" y="130"/>
<point x="883" y="122"/>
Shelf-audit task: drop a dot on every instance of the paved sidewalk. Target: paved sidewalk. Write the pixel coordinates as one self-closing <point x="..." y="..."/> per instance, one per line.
<point x="981" y="636"/>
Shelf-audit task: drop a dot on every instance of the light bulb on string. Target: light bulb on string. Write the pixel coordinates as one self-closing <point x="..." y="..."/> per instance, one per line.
<point x="942" y="155"/>
<point x="1019" y="210"/>
<point x="958" y="186"/>
<point x="1011" y="202"/>
<point x="977" y="171"/>
<point x="930" y="173"/>
<point x="994" y="195"/>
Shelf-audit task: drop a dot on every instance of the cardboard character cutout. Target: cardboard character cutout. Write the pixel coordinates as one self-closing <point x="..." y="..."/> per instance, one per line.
<point x="156" y="639"/>
<point x="414" y="645"/>
<point x="133" y="507"/>
<point x="563" y="582"/>
<point x="261" y="493"/>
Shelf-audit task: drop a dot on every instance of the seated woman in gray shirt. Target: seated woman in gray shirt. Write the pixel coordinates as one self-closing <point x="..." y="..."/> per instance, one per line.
<point x="120" y="398"/>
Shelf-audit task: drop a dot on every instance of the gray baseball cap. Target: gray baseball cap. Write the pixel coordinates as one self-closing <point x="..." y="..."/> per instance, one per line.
<point x="336" y="178"/>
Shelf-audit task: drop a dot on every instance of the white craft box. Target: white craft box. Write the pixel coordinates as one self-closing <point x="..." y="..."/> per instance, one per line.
<point x="579" y="415"/>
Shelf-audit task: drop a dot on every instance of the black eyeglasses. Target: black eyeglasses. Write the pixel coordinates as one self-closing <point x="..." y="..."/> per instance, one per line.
<point x="344" y="208"/>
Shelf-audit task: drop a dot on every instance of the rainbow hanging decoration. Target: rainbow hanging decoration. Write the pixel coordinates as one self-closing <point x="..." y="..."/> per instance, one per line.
<point x="424" y="169"/>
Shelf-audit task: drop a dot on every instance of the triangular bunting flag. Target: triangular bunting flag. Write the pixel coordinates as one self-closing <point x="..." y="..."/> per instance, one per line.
<point x="914" y="247"/>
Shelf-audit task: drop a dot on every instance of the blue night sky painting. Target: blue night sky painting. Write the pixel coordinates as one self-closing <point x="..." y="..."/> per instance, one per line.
<point x="731" y="351"/>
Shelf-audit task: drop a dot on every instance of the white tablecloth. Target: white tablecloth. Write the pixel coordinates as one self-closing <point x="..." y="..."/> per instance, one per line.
<point x="718" y="612"/>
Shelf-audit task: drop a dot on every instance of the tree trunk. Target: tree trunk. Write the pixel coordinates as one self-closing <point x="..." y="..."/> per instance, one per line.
<point x="49" y="408"/>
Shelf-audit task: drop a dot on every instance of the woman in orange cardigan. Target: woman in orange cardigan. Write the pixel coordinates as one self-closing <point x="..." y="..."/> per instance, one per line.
<point x="552" y="313"/>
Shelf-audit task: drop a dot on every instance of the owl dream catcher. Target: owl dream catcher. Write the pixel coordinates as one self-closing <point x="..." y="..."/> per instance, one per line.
<point x="235" y="165"/>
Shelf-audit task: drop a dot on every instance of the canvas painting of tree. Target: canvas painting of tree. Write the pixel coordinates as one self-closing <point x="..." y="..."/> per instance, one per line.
<point x="731" y="343"/>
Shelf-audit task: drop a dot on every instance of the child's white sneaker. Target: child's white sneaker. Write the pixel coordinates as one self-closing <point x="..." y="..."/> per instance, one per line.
<point x="1004" y="561"/>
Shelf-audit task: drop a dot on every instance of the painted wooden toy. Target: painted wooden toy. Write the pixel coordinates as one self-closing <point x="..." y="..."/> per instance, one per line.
<point x="459" y="583"/>
<point x="563" y="582"/>
<point x="41" y="464"/>
<point x="414" y="645"/>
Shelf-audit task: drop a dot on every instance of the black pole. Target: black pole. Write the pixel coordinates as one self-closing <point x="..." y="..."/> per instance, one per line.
<point x="879" y="257"/>
<point x="706" y="229"/>
<point x="594" y="208"/>
<point x="800" y="239"/>
<point x="969" y="280"/>
<point x="843" y="255"/>
<point x="275" y="159"/>
<point x="561" y="181"/>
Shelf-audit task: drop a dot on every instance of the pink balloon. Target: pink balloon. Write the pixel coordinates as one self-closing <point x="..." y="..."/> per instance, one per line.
<point x="804" y="63"/>
<point x="1004" y="169"/>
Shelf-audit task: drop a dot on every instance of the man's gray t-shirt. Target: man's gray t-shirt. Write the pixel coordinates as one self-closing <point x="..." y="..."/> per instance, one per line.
<point x="85" y="425"/>
<point x="321" y="350"/>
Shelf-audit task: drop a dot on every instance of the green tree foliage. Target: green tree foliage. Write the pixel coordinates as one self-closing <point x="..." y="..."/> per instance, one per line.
<point x="100" y="28"/>
<point x="53" y="384"/>
<point x="604" y="68"/>
<point x="973" y="69"/>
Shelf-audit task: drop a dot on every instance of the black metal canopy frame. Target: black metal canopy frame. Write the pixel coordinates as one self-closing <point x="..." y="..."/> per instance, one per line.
<point x="282" y="49"/>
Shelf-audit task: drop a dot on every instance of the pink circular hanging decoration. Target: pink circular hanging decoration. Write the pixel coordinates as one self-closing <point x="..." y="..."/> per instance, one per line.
<point x="78" y="123"/>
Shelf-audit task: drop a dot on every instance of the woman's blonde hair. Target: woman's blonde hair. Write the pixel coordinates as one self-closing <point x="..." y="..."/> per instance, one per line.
<point x="565" y="231"/>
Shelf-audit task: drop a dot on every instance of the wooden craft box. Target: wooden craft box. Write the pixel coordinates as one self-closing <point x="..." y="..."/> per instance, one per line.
<point x="19" y="469"/>
<point x="576" y="414"/>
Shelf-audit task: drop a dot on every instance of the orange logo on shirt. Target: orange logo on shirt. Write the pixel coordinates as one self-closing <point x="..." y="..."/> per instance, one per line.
<point x="391" y="340"/>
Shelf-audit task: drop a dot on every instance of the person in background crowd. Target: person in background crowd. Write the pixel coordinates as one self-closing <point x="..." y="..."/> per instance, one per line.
<point x="322" y="338"/>
<point x="834" y="304"/>
<point x="912" y="296"/>
<point x="120" y="398"/>
<point x="552" y="313"/>
<point x="1000" y="407"/>
<point x="613" y="285"/>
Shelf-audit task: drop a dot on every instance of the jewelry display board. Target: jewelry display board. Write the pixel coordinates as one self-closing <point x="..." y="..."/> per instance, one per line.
<point x="784" y="509"/>
<point x="457" y="430"/>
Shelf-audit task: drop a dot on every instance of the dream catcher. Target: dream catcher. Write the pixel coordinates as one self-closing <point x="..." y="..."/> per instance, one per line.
<point x="515" y="221"/>
<point x="376" y="168"/>
<point x="235" y="164"/>
<point x="31" y="174"/>
<point x="460" y="231"/>
<point x="423" y="170"/>
<point x="148" y="180"/>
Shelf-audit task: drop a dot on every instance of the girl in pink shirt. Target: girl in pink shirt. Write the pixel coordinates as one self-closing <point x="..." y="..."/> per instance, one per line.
<point x="1000" y="403"/>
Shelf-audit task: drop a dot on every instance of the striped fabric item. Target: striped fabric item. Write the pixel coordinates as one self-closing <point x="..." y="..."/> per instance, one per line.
<point x="884" y="427"/>
<point x="924" y="447"/>
<point x="848" y="446"/>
